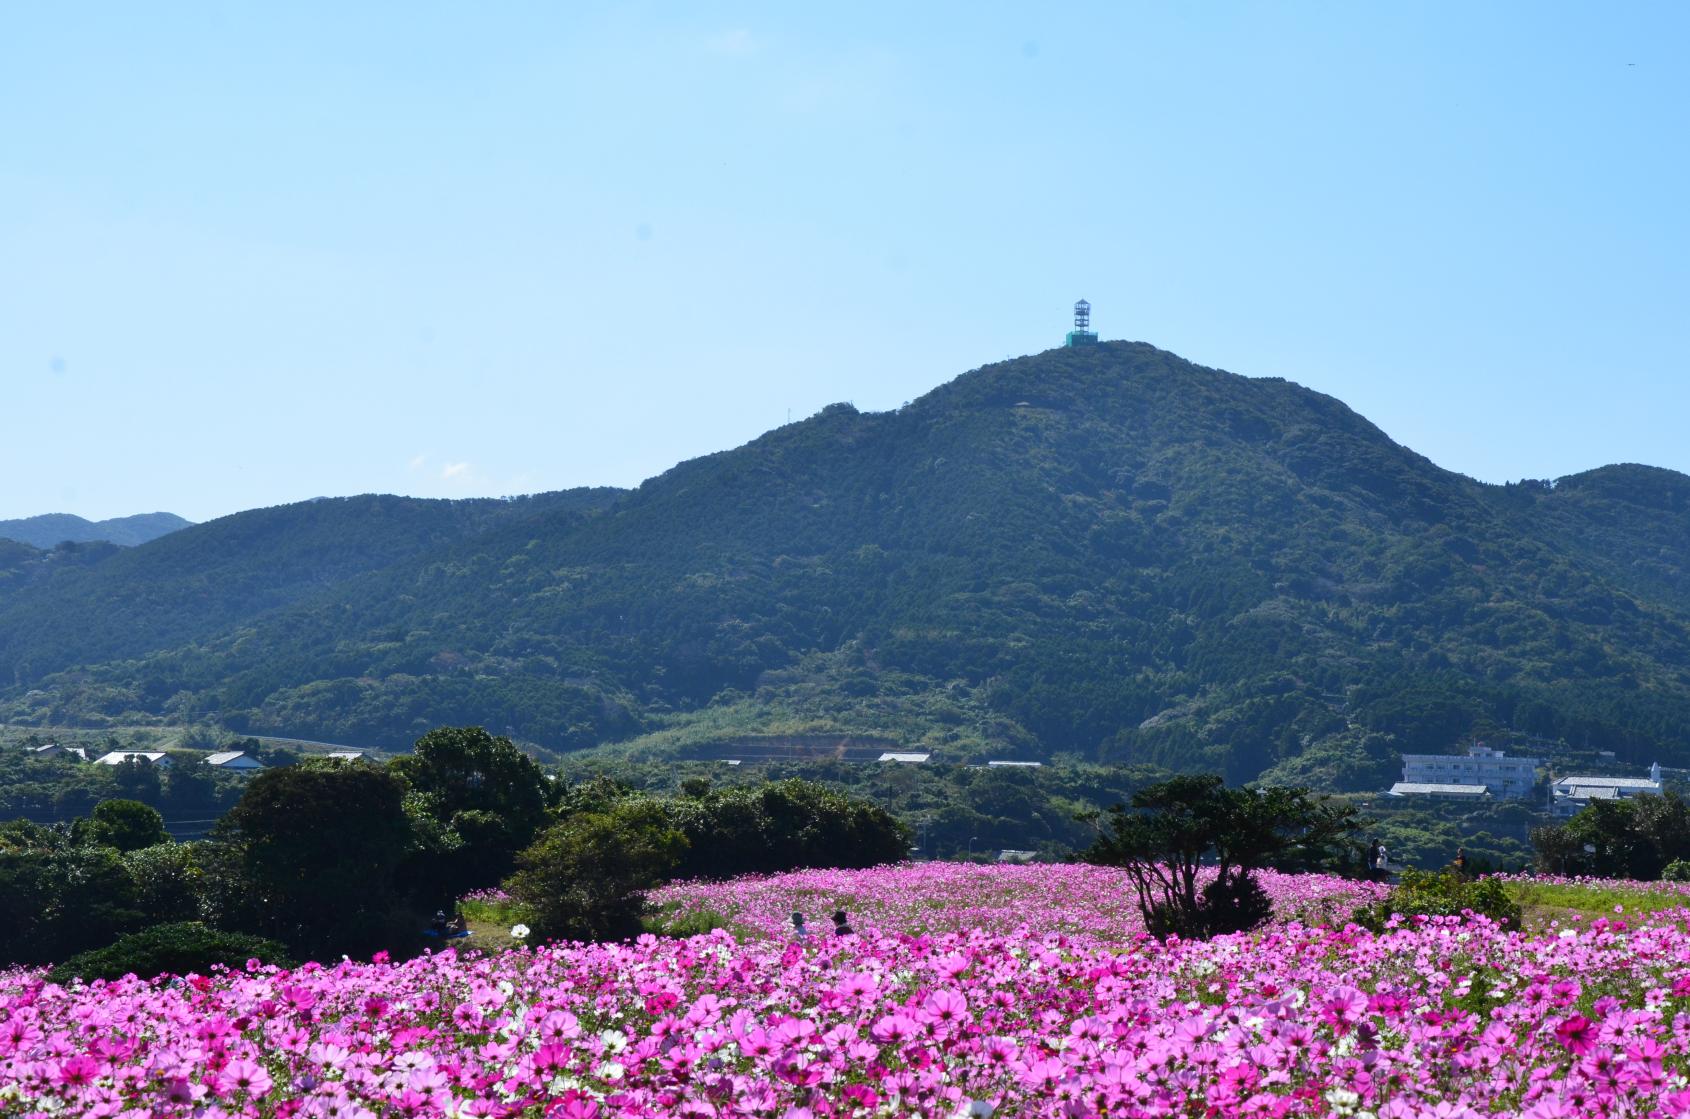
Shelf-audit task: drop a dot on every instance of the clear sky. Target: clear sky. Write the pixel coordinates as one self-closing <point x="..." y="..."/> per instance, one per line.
<point x="253" y="253"/>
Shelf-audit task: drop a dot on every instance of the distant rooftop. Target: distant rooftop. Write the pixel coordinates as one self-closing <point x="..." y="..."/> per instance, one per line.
<point x="899" y="756"/>
<point x="1426" y="788"/>
<point x="1608" y="783"/>
<point x="1022" y="765"/>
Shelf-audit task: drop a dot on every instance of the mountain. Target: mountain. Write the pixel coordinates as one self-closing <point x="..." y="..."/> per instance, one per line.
<point x="50" y="529"/>
<point x="1101" y="551"/>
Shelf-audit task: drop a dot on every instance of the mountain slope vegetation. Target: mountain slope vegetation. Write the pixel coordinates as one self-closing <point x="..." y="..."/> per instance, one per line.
<point x="1106" y="552"/>
<point x="51" y="529"/>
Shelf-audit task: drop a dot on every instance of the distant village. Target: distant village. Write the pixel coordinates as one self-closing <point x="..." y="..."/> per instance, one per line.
<point x="228" y="761"/>
<point x="1484" y="774"/>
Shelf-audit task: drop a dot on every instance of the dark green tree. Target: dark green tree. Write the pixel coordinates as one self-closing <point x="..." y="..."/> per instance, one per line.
<point x="586" y="876"/>
<point x="138" y="779"/>
<point x="127" y="825"/>
<point x="1172" y="829"/>
<point x="312" y="853"/>
<point x="168" y="880"/>
<point x="783" y="825"/>
<point x="59" y="902"/>
<point x="486" y="800"/>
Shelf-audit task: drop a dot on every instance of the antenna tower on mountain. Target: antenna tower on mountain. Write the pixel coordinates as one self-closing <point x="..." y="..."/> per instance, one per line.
<point x="1082" y="334"/>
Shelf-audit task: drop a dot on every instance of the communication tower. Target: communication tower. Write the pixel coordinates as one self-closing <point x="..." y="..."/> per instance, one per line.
<point x="1082" y="334"/>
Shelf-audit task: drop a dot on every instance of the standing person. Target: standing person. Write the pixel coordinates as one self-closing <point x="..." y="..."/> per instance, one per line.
<point x="1384" y="864"/>
<point x="842" y="924"/>
<point x="799" y="928"/>
<point x="1460" y="863"/>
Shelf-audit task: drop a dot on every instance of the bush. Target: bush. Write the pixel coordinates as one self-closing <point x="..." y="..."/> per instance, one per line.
<point x="1677" y="871"/>
<point x="585" y="877"/>
<point x="127" y="825"/>
<point x="167" y="882"/>
<point x="55" y="903"/>
<point x="1441" y="894"/>
<point x="187" y="946"/>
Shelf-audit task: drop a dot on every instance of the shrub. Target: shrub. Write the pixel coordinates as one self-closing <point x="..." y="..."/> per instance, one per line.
<point x="167" y="882"/>
<point x="187" y="946"/>
<point x="1441" y="894"/>
<point x="54" y="903"/>
<point x="1677" y="871"/>
<point x="127" y="825"/>
<point x="585" y="877"/>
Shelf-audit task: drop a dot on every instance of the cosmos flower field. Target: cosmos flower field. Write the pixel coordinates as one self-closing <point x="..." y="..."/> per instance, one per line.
<point x="969" y="991"/>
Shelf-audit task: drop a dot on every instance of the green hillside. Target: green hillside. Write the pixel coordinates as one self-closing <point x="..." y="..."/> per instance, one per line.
<point x="1105" y="552"/>
<point x="51" y="529"/>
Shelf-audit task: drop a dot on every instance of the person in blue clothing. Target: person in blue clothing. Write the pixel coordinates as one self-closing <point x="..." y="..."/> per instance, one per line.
<point x="799" y="928"/>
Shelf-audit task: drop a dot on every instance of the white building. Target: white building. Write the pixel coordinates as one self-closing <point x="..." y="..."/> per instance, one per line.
<point x="1442" y="791"/>
<point x="1570" y="794"/>
<point x="1504" y="777"/>
<point x="118" y="757"/>
<point x="1014" y="765"/>
<point x="234" y="760"/>
<point x="346" y="755"/>
<point x="905" y="758"/>
<point x="54" y="750"/>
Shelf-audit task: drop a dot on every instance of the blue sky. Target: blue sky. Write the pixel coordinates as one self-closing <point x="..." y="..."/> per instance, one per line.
<point x="257" y="253"/>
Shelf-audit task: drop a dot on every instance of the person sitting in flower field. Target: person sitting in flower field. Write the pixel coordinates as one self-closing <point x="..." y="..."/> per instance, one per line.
<point x="799" y="928"/>
<point x="842" y="924"/>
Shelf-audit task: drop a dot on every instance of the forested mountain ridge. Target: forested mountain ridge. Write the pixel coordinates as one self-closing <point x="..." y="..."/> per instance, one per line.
<point x="1104" y="551"/>
<point x="51" y="529"/>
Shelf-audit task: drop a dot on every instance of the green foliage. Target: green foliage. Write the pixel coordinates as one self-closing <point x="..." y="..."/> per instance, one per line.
<point x="310" y="857"/>
<point x="694" y="922"/>
<point x="1171" y="829"/>
<point x="58" y="902"/>
<point x="168" y="880"/>
<point x="585" y="877"/>
<point x="127" y="825"/>
<point x="486" y="797"/>
<point x="1636" y="838"/>
<point x="178" y="949"/>
<point x="1105" y="552"/>
<point x="1442" y="894"/>
<point x="782" y="826"/>
<point x="1676" y="871"/>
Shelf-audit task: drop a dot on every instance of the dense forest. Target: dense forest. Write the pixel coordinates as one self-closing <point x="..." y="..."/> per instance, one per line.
<point x="52" y="529"/>
<point x="1106" y="554"/>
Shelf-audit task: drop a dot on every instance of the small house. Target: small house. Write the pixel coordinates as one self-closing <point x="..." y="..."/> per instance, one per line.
<point x="149" y="757"/>
<point x="234" y="761"/>
<point x="54" y="750"/>
<point x="904" y="758"/>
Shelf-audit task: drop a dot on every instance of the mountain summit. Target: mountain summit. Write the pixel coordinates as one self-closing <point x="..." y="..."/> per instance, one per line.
<point x="50" y="529"/>
<point x="1101" y="550"/>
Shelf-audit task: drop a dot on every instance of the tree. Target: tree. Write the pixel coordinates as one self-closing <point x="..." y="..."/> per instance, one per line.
<point x="784" y="825"/>
<point x="311" y="851"/>
<point x="1173" y="827"/>
<point x="127" y="825"/>
<point x="59" y="902"/>
<point x="585" y="877"/>
<point x="137" y="779"/>
<point x="491" y="795"/>
<point x="167" y="881"/>
<point x="1633" y="838"/>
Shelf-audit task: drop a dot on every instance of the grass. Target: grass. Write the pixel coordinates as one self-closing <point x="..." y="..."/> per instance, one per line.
<point x="1544" y="902"/>
<point x="489" y="924"/>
